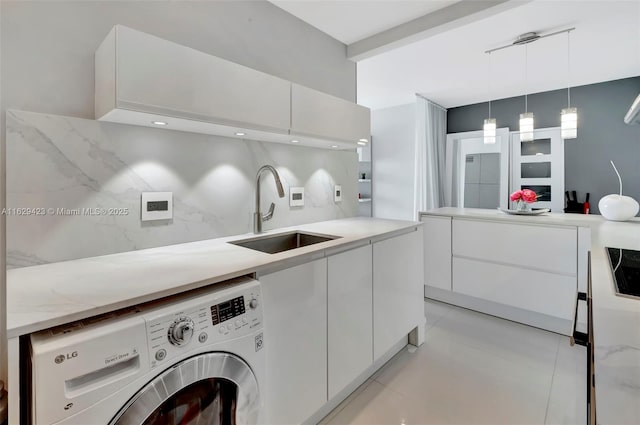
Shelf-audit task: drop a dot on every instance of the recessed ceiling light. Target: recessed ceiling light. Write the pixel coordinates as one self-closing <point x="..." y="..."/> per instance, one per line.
<point x="159" y="122"/>
<point x="364" y="140"/>
<point x="334" y="146"/>
<point x="240" y="133"/>
<point x="362" y="143"/>
<point x="295" y="141"/>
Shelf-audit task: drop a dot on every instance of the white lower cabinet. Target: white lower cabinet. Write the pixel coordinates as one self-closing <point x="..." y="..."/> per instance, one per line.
<point x="295" y="336"/>
<point x="538" y="291"/>
<point x="349" y="315"/>
<point x="327" y="321"/>
<point x="398" y="289"/>
<point x="437" y="251"/>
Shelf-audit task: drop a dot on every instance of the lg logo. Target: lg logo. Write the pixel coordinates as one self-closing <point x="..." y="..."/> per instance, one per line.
<point x="62" y="357"/>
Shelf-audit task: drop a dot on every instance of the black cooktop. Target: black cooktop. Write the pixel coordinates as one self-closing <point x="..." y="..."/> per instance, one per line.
<point x="625" y="264"/>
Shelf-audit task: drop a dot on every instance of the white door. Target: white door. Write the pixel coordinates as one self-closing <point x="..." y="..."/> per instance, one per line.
<point x="539" y="165"/>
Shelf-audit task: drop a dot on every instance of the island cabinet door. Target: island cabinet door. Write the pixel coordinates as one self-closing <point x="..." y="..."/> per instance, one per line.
<point x="398" y="289"/>
<point x="437" y="251"/>
<point x="295" y="339"/>
<point x="349" y="317"/>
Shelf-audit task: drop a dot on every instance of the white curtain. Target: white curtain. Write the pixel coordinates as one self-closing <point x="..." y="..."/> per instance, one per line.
<point x="431" y="136"/>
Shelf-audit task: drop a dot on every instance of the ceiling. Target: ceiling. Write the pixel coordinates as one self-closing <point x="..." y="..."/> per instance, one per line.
<point x="450" y="66"/>
<point x="352" y="20"/>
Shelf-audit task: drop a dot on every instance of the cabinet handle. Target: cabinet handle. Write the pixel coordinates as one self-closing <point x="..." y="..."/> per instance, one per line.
<point x="578" y="337"/>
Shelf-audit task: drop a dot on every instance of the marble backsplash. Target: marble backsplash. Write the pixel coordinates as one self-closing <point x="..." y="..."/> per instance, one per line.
<point x="57" y="165"/>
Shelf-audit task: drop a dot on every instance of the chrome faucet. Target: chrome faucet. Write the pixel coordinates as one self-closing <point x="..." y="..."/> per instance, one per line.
<point x="258" y="217"/>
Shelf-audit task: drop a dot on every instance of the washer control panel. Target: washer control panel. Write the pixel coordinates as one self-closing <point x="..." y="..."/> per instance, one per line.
<point x="228" y="311"/>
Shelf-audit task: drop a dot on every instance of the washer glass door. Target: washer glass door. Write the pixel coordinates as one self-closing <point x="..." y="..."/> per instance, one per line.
<point x="208" y="389"/>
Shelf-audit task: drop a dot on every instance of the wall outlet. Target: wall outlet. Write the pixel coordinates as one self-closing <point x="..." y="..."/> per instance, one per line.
<point x="337" y="193"/>
<point x="156" y="206"/>
<point x="296" y="196"/>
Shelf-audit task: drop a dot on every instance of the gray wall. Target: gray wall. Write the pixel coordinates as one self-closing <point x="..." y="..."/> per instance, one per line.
<point x="47" y="47"/>
<point x="393" y="133"/>
<point x="602" y="135"/>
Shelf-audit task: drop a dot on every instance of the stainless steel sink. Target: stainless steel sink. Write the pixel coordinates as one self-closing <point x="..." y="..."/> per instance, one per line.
<point x="283" y="241"/>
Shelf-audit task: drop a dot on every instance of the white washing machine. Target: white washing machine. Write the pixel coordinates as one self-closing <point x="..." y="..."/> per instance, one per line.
<point x="196" y="359"/>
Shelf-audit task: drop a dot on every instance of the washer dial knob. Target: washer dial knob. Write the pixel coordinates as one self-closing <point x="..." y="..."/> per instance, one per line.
<point x="253" y="303"/>
<point x="181" y="331"/>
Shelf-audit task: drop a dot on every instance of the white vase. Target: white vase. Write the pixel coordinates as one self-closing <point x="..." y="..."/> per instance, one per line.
<point x="618" y="207"/>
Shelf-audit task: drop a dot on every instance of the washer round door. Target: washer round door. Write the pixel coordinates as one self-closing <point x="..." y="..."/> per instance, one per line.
<point x="208" y="389"/>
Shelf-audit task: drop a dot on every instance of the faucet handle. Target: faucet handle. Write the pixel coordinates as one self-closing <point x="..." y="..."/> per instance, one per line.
<point x="269" y="215"/>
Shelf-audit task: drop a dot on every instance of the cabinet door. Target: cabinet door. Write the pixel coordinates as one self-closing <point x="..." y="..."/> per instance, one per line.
<point x="546" y="248"/>
<point x="437" y="251"/>
<point x="547" y="293"/>
<point x="314" y="113"/>
<point x="398" y="289"/>
<point x="350" y="327"/>
<point x="295" y="322"/>
<point x="161" y="77"/>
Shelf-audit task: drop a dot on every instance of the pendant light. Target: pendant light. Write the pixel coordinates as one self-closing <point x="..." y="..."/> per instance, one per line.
<point x="526" y="119"/>
<point x="489" y="123"/>
<point x="569" y="115"/>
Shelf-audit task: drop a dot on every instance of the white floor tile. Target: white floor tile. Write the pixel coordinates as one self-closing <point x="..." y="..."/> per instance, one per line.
<point x="434" y="311"/>
<point x="378" y="404"/>
<point x="474" y="369"/>
<point x="469" y="385"/>
<point x="568" y="398"/>
<point x="328" y="419"/>
<point x="512" y="341"/>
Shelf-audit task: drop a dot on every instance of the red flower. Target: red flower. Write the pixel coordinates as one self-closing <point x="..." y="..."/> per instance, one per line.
<point x="516" y="196"/>
<point x="529" y="196"/>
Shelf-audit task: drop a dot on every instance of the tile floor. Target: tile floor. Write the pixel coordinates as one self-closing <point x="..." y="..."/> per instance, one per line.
<point x="474" y="369"/>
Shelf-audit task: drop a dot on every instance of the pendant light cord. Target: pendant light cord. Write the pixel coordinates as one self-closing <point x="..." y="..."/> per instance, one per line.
<point x="568" y="69"/>
<point x="489" y="83"/>
<point x="526" y="77"/>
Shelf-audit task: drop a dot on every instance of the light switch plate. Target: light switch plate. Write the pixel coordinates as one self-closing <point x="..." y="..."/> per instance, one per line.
<point x="337" y="193"/>
<point x="156" y="206"/>
<point x="296" y="196"/>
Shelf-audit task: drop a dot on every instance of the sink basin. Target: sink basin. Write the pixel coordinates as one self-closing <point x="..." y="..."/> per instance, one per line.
<point x="283" y="241"/>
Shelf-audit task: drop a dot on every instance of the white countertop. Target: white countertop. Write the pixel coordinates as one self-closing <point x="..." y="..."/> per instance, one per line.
<point x="616" y="319"/>
<point x="553" y="219"/>
<point x="41" y="297"/>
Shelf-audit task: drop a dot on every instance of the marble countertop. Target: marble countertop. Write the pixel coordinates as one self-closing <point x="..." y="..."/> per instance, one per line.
<point x="44" y="296"/>
<point x="553" y="219"/>
<point x="616" y="319"/>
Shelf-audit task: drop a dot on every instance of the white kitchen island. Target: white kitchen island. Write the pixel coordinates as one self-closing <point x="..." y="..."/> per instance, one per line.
<point x="616" y="319"/>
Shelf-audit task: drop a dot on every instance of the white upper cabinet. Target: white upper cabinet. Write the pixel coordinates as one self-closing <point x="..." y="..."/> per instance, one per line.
<point x="141" y="79"/>
<point x="317" y="114"/>
<point x="138" y="72"/>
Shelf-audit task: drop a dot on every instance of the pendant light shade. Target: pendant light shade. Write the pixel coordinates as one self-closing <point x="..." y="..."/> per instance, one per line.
<point x="526" y="127"/>
<point x="489" y="131"/>
<point x="569" y="123"/>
